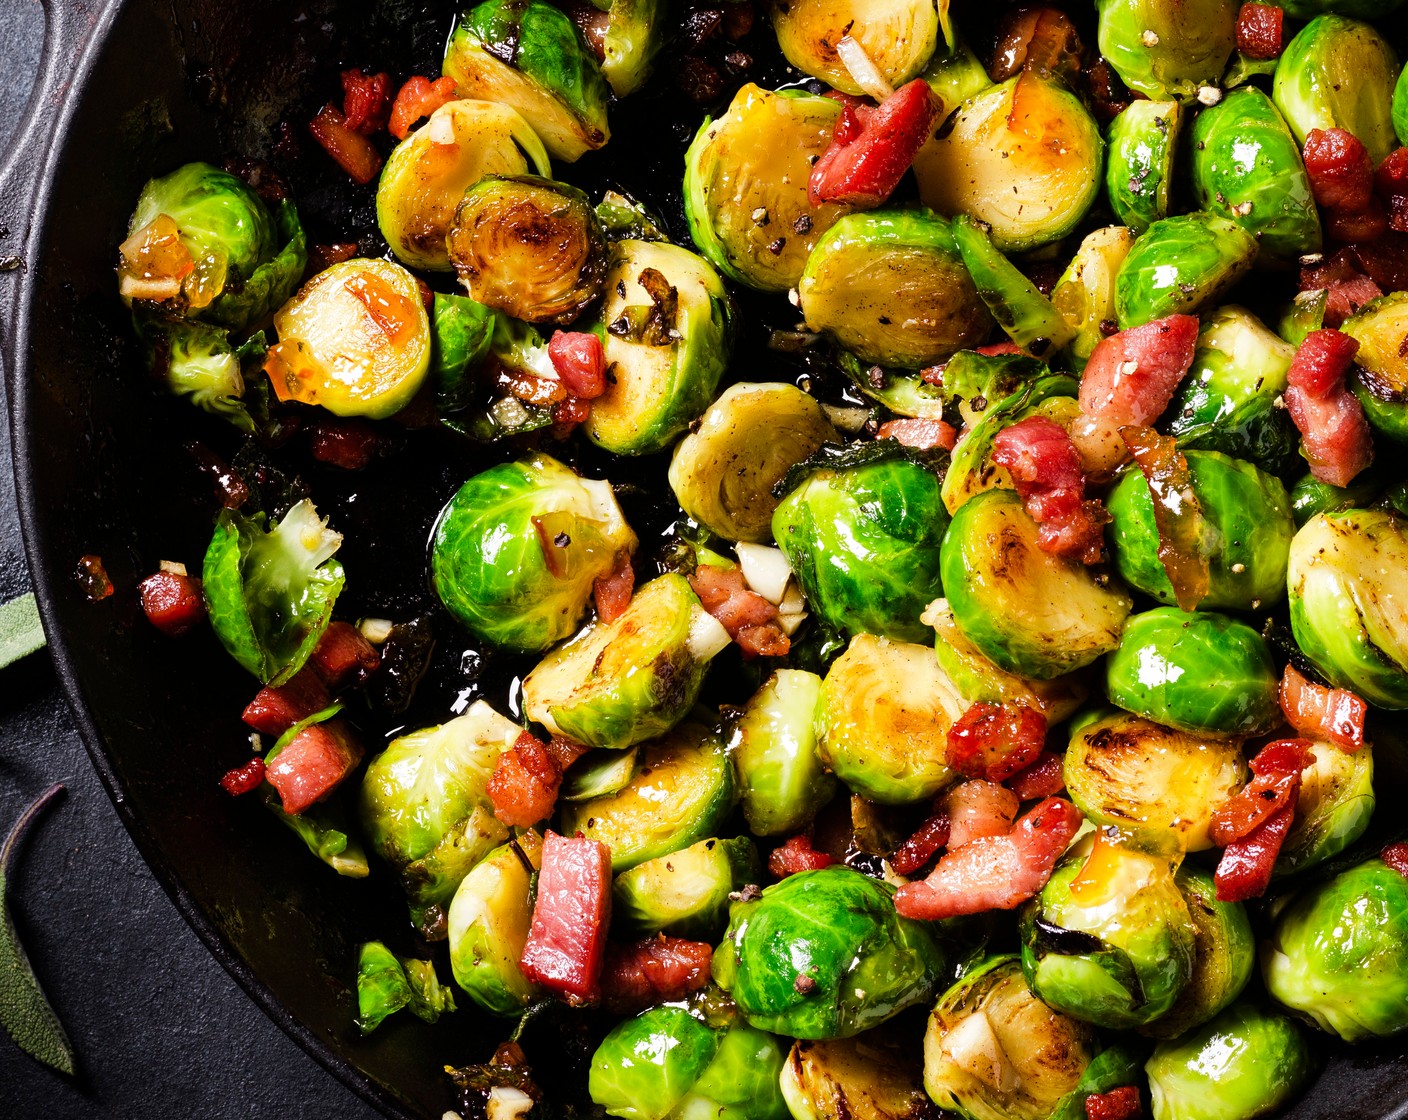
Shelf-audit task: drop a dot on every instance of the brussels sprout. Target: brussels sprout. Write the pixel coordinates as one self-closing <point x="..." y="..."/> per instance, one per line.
<point x="462" y="336"/>
<point x="634" y="36"/>
<point x="781" y="779"/>
<point x="745" y="186"/>
<point x="899" y="36"/>
<point x="196" y="361"/>
<point x="1023" y="157"/>
<point x="1245" y="1063"/>
<point x="517" y="551"/>
<point x="619" y="683"/>
<point x="873" y="1076"/>
<point x="1110" y="1069"/>
<point x="883" y="721"/>
<point x="646" y="1065"/>
<point x="600" y="774"/>
<point x="1181" y="264"/>
<point x="1203" y="673"/>
<point x="1085" y="293"/>
<point x="1381" y="382"/>
<point x="625" y="218"/>
<point x="1358" y="9"/>
<point x="680" y="795"/>
<point x="488" y="924"/>
<point x="270" y="592"/>
<point x="1224" y="956"/>
<point x="1156" y="784"/>
<point x="1338" y="953"/>
<point x="723" y="472"/>
<point x="425" y="811"/>
<point x="956" y="75"/>
<point x="530" y="55"/>
<point x="1109" y="939"/>
<point x="1035" y="614"/>
<point x="903" y="392"/>
<point x="743" y="1082"/>
<point x="1310" y="496"/>
<point x="1247" y="518"/>
<point x="1247" y="168"/>
<point x="667" y="332"/>
<point x="864" y="544"/>
<point x="1167" y="50"/>
<point x="202" y="245"/>
<point x="1304" y="313"/>
<point x="890" y="287"/>
<point x="325" y="833"/>
<point x="382" y="987"/>
<point x="1026" y="316"/>
<point x="355" y="340"/>
<point x="1335" y="803"/>
<point x="1400" y="106"/>
<point x="823" y="954"/>
<point x="994" y="1051"/>
<point x="976" y="678"/>
<point x="1346" y="615"/>
<point x="430" y="170"/>
<point x="1139" y="172"/>
<point x="1228" y="402"/>
<point x="686" y="892"/>
<point x="1339" y="73"/>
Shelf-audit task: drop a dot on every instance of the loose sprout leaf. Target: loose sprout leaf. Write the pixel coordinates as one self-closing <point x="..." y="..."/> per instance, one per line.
<point x="840" y="457"/>
<point x="21" y="632"/>
<point x="24" y="1011"/>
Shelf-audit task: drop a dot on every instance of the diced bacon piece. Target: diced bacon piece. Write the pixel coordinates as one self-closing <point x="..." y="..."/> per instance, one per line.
<point x="872" y="149"/>
<point x="343" y="656"/>
<point x="1340" y="170"/>
<point x="417" y="99"/>
<point x="527" y="776"/>
<point x="1259" y="36"/>
<point x="920" y="848"/>
<point x="1123" y="1103"/>
<point x="995" y="349"/>
<point x="1396" y="856"/>
<point x="1335" y="433"/>
<point x="995" y="741"/>
<point x="366" y="100"/>
<point x="976" y="809"/>
<point x="1245" y="868"/>
<point x="751" y="621"/>
<point x="1352" y="226"/>
<point x="1321" y="362"/>
<point x="317" y="760"/>
<point x="567" y="414"/>
<point x="173" y="603"/>
<point x="996" y="872"/>
<point x="1041" y="40"/>
<point x="1333" y="715"/>
<point x="1275" y="784"/>
<point x="1391" y="177"/>
<point x="1384" y="260"/>
<point x="580" y="361"/>
<point x="1043" y="778"/>
<point x="1347" y="288"/>
<point x="567" y="938"/>
<point x="653" y="971"/>
<point x="275" y="709"/>
<point x="919" y="432"/>
<point x="1049" y="474"/>
<point x="613" y="591"/>
<point x="797" y="854"/>
<point x="244" y="779"/>
<point x="350" y="444"/>
<point x="352" y="151"/>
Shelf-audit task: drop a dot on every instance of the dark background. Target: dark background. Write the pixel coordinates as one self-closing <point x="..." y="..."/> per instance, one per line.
<point x="159" y="1028"/>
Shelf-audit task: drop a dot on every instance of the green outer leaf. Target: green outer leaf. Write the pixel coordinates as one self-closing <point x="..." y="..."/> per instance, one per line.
<point x="24" y="1011"/>
<point x="1028" y="317"/>
<point x="21" y="632"/>
<point x="1141" y="145"/>
<point x="1181" y="264"/>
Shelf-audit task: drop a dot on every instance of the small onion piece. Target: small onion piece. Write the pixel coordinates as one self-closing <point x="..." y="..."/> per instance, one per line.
<point x="863" y="69"/>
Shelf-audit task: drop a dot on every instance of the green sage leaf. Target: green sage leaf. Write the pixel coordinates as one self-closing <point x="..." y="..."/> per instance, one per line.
<point x="20" y="631"/>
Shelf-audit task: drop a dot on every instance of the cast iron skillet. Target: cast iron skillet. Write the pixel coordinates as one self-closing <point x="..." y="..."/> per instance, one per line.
<point x="128" y="89"/>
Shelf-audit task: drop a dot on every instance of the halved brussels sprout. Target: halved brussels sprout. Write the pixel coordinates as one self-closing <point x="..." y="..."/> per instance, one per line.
<point x="1338" y="953"/>
<point x="1245" y="1063"/>
<point x="665" y="322"/>
<point x="1247" y="167"/>
<point x="1139" y="171"/>
<point x="532" y="248"/>
<point x="1203" y="673"/>
<point x="530" y="55"/>
<point x="1167" y="50"/>
<point x="1224" y="956"/>
<point x="430" y="170"/>
<point x="355" y="340"/>
<point x="1348" y="611"/>
<point x="994" y="1051"/>
<point x="781" y="778"/>
<point x="823" y="954"/>
<point x="1030" y="612"/>
<point x="634" y="35"/>
<point x="1339" y="73"/>
<point x="745" y="186"/>
<point x="196" y="361"/>
<point x="686" y="892"/>
<point x="517" y="551"/>
<point x="743" y="1082"/>
<point x="645" y="1066"/>
<point x="1085" y="294"/>
<point x="1381" y="382"/>
<point x="1181" y="264"/>
<point x="899" y="36"/>
<point x="873" y="1076"/>
<point x="864" y="544"/>
<point x="723" y="472"/>
<point x="886" y="708"/>
<point x="1335" y="803"/>
<point x="1024" y="157"/>
<point x="1159" y="785"/>
<point x="621" y="682"/>
<point x="488" y="926"/>
<point x="1228" y="402"/>
<point x="425" y="811"/>
<point x="891" y="287"/>
<point x="1026" y="316"/>
<point x="680" y="795"/>
<point x="976" y="678"/>
<point x="1248" y="525"/>
<point x="1109" y="939"/>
